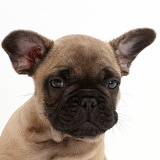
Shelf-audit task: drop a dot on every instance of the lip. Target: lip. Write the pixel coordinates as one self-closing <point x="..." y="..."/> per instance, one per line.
<point x="85" y="129"/>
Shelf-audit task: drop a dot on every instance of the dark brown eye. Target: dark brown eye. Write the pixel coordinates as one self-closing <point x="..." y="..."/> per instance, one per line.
<point x="57" y="83"/>
<point x="113" y="84"/>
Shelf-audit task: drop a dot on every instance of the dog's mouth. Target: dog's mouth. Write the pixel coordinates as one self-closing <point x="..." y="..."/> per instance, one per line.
<point x="86" y="129"/>
<point x="84" y="114"/>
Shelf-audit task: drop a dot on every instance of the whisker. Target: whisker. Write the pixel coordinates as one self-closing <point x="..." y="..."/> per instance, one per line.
<point x="26" y="95"/>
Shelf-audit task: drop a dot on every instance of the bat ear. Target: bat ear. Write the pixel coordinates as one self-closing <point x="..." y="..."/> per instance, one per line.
<point x="130" y="44"/>
<point x="26" y="50"/>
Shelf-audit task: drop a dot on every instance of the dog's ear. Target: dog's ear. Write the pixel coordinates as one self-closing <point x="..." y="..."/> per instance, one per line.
<point x="26" y="50"/>
<point x="130" y="44"/>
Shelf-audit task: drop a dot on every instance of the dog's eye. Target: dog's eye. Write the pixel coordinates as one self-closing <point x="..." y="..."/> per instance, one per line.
<point x="113" y="84"/>
<point x="57" y="83"/>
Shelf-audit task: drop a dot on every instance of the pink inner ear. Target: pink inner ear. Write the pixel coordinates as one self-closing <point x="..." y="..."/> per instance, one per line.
<point x="123" y="61"/>
<point x="33" y="55"/>
<point x="29" y="59"/>
<point x="124" y="55"/>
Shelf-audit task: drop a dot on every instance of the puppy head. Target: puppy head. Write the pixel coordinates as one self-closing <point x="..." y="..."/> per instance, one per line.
<point x="77" y="77"/>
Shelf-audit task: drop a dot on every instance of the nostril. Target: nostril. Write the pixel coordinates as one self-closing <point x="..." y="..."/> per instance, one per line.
<point x="94" y="102"/>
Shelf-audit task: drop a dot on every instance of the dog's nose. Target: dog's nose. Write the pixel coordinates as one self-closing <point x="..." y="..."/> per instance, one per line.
<point x="88" y="103"/>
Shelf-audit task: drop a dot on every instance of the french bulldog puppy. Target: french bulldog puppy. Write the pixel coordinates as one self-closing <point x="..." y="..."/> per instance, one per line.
<point x="77" y="80"/>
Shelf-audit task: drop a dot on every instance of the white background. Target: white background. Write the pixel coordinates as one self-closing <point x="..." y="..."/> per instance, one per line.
<point x="137" y="135"/>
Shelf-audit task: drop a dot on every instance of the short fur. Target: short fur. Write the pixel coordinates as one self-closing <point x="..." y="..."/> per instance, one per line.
<point x="76" y="81"/>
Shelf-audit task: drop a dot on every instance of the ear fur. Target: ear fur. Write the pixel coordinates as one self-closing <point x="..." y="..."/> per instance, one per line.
<point x="130" y="44"/>
<point x="26" y="50"/>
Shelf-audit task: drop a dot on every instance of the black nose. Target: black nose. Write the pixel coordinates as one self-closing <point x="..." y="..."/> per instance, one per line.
<point x="88" y="103"/>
